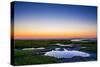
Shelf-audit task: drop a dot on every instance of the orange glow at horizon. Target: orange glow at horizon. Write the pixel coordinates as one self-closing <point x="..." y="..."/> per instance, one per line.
<point x="44" y="30"/>
<point x="65" y="34"/>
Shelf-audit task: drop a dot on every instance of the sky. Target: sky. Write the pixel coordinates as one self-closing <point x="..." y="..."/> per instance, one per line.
<point x="53" y="21"/>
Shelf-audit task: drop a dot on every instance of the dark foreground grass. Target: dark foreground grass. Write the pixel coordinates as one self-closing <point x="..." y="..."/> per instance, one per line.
<point x="26" y="58"/>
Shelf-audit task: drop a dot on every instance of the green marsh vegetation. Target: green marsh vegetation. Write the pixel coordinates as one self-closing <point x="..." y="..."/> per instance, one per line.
<point x="25" y="57"/>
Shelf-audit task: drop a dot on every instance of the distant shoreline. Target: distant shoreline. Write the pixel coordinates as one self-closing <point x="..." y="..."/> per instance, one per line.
<point x="60" y="39"/>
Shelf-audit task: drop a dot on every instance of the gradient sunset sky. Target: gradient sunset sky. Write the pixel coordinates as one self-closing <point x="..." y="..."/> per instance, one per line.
<point x="48" y="21"/>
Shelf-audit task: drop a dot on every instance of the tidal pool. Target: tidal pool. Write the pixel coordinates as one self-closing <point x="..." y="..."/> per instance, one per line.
<point x="67" y="54"/>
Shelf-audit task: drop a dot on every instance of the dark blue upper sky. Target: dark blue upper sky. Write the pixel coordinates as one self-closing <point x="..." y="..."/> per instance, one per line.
<point x="36" y="10"/>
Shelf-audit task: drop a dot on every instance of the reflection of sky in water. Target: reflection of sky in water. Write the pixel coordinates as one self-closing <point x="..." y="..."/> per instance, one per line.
<point x="66" y="54"/>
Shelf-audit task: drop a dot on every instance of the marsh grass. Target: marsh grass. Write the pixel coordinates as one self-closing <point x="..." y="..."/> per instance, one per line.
<point x="26" y="58"/>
